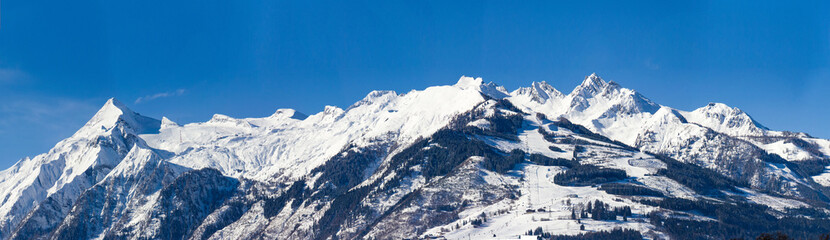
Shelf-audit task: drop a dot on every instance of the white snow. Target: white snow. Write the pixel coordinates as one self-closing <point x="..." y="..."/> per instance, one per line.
<point x="777" y="203"/>
<point x="823" y="178"/>
<point x="539" y="192"/>
<point x="288" y="147"/>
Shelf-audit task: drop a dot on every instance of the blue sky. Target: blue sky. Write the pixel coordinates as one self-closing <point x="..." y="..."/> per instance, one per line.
<point x="60" y="61"/>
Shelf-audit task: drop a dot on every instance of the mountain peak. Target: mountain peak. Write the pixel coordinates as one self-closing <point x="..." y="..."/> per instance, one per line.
<point x="548" y="90"/>
<point x="720" y="108"/>
<point x="592" y="85"/>
<point x="539" y="92"/>
<point x="719" y="114"/>
<point x="542" y="84"/>
<point x="490" y="89"/>
<point x="375" y="97"/>
<point x="115" y="112"/>
<point x="167" y="123"/>
<point x="109" y="114"/>
<point x="113" y="107"/>
<point x="593" y="80"/>
<point x="468" y="82"/>
<point x="285" y="113"/>
<point x="115" y="103"/>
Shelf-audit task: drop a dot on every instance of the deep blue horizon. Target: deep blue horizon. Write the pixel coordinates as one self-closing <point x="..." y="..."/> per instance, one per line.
<point x="60" y="61"/>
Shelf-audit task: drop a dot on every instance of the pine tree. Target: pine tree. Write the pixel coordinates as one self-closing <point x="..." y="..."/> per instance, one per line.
<point x="538" y="231"/>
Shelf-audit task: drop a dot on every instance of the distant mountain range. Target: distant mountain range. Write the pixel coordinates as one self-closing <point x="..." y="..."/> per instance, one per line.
<point x="467" y="161"/>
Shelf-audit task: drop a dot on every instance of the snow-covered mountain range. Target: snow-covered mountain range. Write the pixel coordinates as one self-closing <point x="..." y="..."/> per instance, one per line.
<point x="470" y="160"/>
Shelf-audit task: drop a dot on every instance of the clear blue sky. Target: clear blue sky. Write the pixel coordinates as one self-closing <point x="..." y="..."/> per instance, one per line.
<point x="60" y="60"/>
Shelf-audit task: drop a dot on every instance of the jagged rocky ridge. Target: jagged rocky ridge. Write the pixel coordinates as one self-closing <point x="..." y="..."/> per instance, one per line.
<point x="467" y="160"/>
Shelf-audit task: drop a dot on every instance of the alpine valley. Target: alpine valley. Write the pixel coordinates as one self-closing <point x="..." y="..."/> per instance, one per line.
<point x="466" y="161"/>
